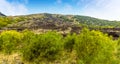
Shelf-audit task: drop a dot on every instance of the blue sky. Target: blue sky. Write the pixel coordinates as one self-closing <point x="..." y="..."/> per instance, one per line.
<point x="104" y="9"/>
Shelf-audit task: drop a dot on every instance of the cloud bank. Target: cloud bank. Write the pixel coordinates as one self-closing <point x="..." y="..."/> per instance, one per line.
<point x="105" y="9"/>
<point x="13" y="8"/>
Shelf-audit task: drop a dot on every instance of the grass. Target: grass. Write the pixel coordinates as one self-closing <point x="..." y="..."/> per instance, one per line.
<point x="16" y="58"/>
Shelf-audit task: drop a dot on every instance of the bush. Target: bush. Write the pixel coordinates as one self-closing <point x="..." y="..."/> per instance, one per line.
<point x="118" y="49"/>
<point x="4" y="21"/>
<point x="28" y="37"/>
<point x="46" y="46"/>
<point x="94" y="47"/>
<point x="69" y="42"/>
<point x="10" y="40"/>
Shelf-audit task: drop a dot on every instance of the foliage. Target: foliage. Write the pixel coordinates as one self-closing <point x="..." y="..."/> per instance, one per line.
<point x="88" y="47"/>
<point x="69" y="42"/>
<point x="94" y="47"/>
<point x="10" y="40"/>
<point x="43" y="46"/>
<point x="4" y="21"/>
<point x="45" y="20"/>
<point x="96" y="23"/>
<point x="118" y="49"/>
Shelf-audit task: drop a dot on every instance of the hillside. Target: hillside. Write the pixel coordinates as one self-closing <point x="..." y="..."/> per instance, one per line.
<point x="62" y="23"/>
<point x="2" y="14"/>
<point x="55" y="21"/>
<point x="44" y="21"/>
<point x="54" y="39"/>
<point x="95" y="22"/>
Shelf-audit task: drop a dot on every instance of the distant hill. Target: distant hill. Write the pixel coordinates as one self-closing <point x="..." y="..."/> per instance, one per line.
<point x="95" y="22"/>
<point x="58" y="22"/>
<point x="2" y="14"/>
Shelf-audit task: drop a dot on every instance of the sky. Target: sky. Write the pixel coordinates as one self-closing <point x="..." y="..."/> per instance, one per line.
<point x="103" y="9"/>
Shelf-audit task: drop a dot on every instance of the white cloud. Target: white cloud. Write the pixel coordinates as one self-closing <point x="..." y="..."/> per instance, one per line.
<point x="13" y="8"/>
<point x="105" y="9"/>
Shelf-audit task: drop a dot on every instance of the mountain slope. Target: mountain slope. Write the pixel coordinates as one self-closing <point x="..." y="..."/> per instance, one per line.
<point x="2" y="14"/>
<point x="59" y="22"/>
<point x="95" y="22"/>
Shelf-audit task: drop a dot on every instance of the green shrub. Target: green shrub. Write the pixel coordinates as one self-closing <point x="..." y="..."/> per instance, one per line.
<point x="10" y="40"/>
<point x="118" y="49"/>
<point x="69" y="42"/>
<point x="46" y="46"/>
<point x="4" y="21"/>
<point x="94" y="47"/>
<point x="28" y="37"/>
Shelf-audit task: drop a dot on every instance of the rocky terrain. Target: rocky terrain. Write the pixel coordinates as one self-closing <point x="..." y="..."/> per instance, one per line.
<point x="61" y="23"/>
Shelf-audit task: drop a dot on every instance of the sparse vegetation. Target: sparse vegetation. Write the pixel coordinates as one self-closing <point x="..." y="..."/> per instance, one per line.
<point x="55" y="21"/>
<point x="55" y="46"/>
<point x="88" y="47"/>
